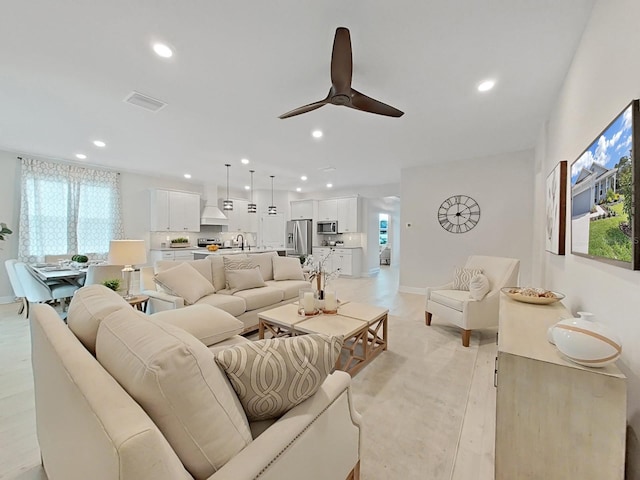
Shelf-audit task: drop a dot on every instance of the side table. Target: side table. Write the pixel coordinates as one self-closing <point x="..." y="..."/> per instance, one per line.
<point x="139" y="302"/>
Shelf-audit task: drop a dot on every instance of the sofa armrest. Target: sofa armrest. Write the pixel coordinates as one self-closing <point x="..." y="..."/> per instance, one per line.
<point x="146" y="279"/>
<point x="160" y="301"/>
<point x="299" y="444"/>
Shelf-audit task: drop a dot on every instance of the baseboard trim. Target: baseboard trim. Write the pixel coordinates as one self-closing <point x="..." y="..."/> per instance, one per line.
<point x="416" y="290"/>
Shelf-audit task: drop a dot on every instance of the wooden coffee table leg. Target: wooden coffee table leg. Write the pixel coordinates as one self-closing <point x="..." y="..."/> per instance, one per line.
<point x="260" y="329"/>
<point x="384" y="332"/>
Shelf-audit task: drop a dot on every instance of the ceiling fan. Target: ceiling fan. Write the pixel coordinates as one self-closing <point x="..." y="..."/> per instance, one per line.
<point x="341" y="92"/>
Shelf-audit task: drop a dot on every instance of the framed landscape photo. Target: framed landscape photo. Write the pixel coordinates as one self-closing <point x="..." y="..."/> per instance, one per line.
<point x="556" y="208"/>
<point x="604" y="194"/>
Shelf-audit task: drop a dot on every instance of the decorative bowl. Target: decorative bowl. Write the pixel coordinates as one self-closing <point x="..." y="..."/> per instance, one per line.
<point x="540" y="296"/>
<point x="586" y="342"/>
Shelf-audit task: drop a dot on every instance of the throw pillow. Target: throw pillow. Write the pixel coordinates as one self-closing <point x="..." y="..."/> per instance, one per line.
<point x="244" y="279"/>
<point x="185" y="281"/>
<point x="479" y="287"/>
<point x="235" y="262"/>
<point x="463" y="276"/>
<point x="287" y="268"/>
<point x="174" y="378"/>
<point x="274" y="375"/>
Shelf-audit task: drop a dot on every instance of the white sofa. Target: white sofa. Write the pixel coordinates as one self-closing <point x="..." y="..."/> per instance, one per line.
<point x="244" y="305"/>
<point x="89" y="427"/>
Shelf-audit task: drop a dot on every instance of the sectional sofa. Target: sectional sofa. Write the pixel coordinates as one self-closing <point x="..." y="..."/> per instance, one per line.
<point x="121" y="395"/>
<point x="281" y="279"/>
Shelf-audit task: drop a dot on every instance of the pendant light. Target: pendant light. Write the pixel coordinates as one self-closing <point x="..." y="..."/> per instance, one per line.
<point x="227" y="204"/>
<point x="252" y="208"/>
<point x="272" y="208"/>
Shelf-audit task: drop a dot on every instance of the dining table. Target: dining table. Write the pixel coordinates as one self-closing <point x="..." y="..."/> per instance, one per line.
<point x="60" y="273"/>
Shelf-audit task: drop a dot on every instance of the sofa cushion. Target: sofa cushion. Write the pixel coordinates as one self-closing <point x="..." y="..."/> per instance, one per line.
<point x="208" y="324"/>
<point x="287" y="268"/>
<point x="89" y="306"/>
<point x="217" y="272"/>
<point x="289" y="288"/>
<point x="183" y="280"/>
<point x="244" y="279"/>
<point x="265" y="262"/>
<point x="174" y="378"/>
<point x="203" y="267"/>
<point x="463" y="276"/>
<point x="479" y="287"/>
<point x="260" y="297"/>
<point x="451" y="298"/>
<point x="274" y="375"/>
<point x="229" y="303"/>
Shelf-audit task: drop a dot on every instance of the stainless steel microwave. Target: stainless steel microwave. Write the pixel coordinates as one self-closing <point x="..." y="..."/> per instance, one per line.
<point x="327" y="228"/>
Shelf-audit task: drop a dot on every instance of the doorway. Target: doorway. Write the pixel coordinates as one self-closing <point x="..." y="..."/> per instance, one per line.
<point x="383" y="239"/>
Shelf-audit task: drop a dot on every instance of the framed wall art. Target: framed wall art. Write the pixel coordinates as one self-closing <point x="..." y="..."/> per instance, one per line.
<point x="605" y="192"/>
<point x="556" y="208"/>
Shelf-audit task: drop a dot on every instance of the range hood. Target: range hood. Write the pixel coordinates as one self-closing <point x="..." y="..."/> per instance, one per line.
<point x="212" y="215"/>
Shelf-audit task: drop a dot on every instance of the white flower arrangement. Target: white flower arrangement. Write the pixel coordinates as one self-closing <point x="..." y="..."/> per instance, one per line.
<point x="317" y="269"/>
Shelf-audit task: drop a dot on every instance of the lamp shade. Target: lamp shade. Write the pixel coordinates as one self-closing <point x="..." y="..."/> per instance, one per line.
<point x="127" y="252"/>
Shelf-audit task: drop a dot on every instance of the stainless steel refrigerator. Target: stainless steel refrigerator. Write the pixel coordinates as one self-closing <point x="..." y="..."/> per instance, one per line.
<point x="299" y="237"/>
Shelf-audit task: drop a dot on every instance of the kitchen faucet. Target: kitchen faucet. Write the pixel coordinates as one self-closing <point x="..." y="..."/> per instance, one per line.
<point x="241" y="244"/>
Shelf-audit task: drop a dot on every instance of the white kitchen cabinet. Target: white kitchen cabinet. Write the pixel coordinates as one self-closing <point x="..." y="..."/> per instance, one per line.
<point x="176" y="254"/>
<point x="328" y="209"/>
<point x="348" y="215"/>
<point x="555" y="419"/>
<point x="348" y="260"/>
<point x="173" y="211"/>
<point x="272" y="231"/>
<point x="240" y="220"/>
<point x="301" y="209"/>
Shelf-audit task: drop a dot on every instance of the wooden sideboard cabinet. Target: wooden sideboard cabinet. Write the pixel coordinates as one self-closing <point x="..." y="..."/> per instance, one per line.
<point x="555" y="420"/>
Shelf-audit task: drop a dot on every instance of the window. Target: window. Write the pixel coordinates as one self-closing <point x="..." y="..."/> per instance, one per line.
<point x="67" y="209"/>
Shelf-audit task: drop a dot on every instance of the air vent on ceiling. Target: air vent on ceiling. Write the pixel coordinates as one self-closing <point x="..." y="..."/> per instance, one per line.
<point x="327" y="169"/>
<point x="145" y="101"/>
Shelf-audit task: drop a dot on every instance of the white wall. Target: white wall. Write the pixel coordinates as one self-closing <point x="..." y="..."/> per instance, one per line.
<point x="9" y="214"/>
<point x="503" y="187"/>
<point x="603" y="79"/>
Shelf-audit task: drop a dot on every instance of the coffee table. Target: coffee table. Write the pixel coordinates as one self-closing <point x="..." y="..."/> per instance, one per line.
<point x="364" y="328"/>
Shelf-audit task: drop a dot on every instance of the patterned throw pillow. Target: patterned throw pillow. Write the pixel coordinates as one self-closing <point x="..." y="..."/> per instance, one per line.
<point x="463" y="276"/>
<point x="274" y="375"/>
<point x="236" y="262"/>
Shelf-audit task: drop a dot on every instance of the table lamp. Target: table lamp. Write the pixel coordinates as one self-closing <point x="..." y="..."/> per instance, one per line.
<point x="127" y="253"/>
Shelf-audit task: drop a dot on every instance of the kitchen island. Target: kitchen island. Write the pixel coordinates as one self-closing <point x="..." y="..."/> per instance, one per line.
<point x="203" y="252"/>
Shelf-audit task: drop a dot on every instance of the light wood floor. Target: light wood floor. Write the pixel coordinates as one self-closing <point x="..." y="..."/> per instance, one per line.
<point x="20" y="457"/>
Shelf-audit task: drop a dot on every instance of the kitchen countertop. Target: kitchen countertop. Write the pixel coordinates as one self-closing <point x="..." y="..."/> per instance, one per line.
<point x="335" y="246"/>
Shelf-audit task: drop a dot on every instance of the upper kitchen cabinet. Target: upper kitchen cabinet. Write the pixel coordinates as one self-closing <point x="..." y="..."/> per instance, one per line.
<point x="328" y="210"/>
<point x="302" y="209"/>
<point x="348" y="215"/>
<point x="240" y="220"/>
<point x="174" y="211"/>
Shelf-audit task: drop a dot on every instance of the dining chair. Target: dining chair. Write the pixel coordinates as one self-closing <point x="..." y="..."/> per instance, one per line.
<point x="37" y="291"/>
<point x="18" y="291"/>
<point x="96" y="274"/>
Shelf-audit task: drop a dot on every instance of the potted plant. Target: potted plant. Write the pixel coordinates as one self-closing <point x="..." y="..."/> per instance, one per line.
<point x="179" y="242"/>
<point x="112" y="283"/>
<point x="4" y="230"/>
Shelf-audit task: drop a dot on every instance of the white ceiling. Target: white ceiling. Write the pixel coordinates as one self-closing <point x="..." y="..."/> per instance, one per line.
<point x="67" y="65"/>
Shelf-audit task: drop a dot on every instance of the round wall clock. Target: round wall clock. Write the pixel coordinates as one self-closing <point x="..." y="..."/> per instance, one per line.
<point x="459" y="214"/>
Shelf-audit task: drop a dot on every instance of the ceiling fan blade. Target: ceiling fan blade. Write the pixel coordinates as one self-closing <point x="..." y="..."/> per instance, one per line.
<point x="341" y="61"/>
<point x="360" y="101"/>
<point x="305" y="108"/>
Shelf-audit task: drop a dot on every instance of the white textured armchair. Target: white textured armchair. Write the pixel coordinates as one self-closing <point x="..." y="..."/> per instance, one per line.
<point x="458" y="307"/>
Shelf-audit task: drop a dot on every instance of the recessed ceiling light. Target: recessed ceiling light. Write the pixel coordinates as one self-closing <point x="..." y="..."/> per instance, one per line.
<point x="247" y="187"/>
<point x="317" y="134"/>
<point x="486" y="85"/>
<point x="81" y="156"/>
<point x="303" y="178"/>
<point x="329" y="185"/>
<point x="187" y="175"/>
<point x="298" y="189"/>
<point x="99" y="143"/>
<point x="245" y="161"/>
<point x="162" y="50"/>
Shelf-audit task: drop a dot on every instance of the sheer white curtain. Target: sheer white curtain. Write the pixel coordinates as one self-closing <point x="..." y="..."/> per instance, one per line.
<point x="67" y="209"/>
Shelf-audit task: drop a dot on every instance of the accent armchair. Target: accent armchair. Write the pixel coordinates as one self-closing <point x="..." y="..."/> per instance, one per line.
<point x="458" y="307"/>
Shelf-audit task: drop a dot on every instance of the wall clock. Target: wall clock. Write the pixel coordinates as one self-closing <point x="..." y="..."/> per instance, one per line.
<point x="459" y="214"/>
